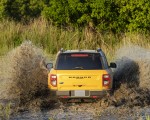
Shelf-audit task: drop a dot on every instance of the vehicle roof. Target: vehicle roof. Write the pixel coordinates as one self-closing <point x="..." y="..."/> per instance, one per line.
<point x="80" y="51"/>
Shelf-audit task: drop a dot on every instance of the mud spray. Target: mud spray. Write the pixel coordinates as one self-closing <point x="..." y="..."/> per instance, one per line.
<point x="23" y="77"/>
<point x="132" y="77"/>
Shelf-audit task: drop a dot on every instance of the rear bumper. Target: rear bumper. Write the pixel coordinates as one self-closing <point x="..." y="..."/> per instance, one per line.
<point x="88" y="94"/>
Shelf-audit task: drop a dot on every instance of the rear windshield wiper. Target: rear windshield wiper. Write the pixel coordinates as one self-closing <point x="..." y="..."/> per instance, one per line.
<point x="78" y="67"/>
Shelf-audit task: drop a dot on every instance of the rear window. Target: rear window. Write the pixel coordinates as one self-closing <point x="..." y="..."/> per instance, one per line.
<point x="80" y="61"/>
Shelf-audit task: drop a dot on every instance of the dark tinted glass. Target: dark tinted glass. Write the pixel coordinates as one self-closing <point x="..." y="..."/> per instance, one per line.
<point x="80" y="61"/>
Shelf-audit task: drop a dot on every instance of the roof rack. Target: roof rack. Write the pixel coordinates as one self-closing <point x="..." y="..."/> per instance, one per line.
<point x="61" y="50"/>
<point x="99" y="49"/>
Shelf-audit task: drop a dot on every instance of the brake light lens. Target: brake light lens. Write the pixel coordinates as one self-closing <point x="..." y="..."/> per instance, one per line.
<point x="53" y="80"/>
<point x="106" y="79"/>
<point x="79" y="55"/>
<point x="94" y="97"/>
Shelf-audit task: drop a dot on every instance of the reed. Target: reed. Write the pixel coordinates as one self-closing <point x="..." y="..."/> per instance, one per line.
<point x="51" y="38"/>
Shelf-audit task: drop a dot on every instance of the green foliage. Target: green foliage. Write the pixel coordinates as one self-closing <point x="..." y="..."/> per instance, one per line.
<point x="104" y="15"/>
<point x="80" y="12"/>
<point x="21" y="9"/>
<point x="134" y="14"/>
<point x="71" y="12"/>
<point x="58" y="11"/>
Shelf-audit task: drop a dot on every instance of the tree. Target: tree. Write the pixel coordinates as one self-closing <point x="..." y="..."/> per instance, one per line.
<point x="21" y="9"/>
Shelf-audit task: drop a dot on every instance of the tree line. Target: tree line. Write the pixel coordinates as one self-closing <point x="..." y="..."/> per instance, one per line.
<point x="103" y="15"/>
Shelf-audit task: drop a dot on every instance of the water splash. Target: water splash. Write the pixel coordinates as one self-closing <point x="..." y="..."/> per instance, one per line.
<point x="23" y="75"/>
<point x="132" y="76"/>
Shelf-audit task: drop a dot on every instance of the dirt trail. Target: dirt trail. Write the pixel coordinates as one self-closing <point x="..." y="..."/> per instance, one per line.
<point x="23" y="77"/>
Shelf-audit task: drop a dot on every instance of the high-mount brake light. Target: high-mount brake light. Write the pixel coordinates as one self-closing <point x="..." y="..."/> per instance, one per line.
<point x="79" y="55"/>
<point x="106" y="79"/>
<point x="53" y="80"/>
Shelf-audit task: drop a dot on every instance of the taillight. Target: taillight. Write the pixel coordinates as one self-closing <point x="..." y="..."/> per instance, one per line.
<point x="94" y="96"/>
<point x="53" y="80"/>
<point x="106" y="79"/>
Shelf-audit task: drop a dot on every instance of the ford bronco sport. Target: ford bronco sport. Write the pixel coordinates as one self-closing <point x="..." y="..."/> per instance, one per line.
<point x="80" y="74"/>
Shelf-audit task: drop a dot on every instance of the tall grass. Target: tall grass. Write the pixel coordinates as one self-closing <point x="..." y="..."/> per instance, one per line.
<point x="52" y="38"/>
<point x="5" y="111"/>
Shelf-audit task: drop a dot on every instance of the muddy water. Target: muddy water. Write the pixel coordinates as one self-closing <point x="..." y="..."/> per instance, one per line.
<point x="132" y="76"/>
<point x="23" y="78"/>
<point x="23" y="74"/>
<point x="109" y="113"/>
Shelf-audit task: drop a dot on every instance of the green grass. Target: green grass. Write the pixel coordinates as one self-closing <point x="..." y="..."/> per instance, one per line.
<point x="5" y="111"/>
<point x="147" y="117"/>
<point x="51" y="38"/>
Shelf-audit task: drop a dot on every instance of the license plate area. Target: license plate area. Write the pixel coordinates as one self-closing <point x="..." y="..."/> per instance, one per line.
<point x="80" y="93"/>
